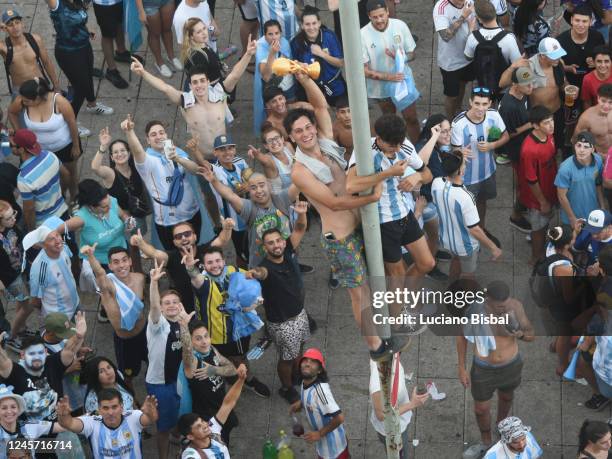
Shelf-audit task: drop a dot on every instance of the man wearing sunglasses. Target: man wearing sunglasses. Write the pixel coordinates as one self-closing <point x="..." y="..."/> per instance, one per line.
<point x="184" y="238"/>
<point x="480" y="130"/>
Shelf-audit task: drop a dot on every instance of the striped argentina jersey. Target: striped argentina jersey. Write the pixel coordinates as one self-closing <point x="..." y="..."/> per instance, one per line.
<point x="39" y="181"/>
<point x="393" y="204"/>
<point x="231" y="179"/>
<point x="465" y="133"/>
<point x="216" y="449"/>
<point x="281" y="10"/>
<point x="121" y="443"/>
<point x="52" y="281"/>
<point x="320" y="407"/>
<point x="602" y="358"/>
<point x="457" y="213"/>
<point x="501" y="451"/>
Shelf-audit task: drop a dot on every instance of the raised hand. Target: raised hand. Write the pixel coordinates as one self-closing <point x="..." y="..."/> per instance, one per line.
<point x="228" y="223"/>
<point x="62" y="407"/>
<point x="127" y="124"/>
<point x="136" y="239"/>
<point x="206" y="171"/>
<point x="300" y="207"/>
<point x="89" y="250"/>
<point x="188" y="257"/>
<point x="251" y="47"/>
<point x="193" y="144"/>
<point x="184" y="318"/>
<point x="241" y="371"/>
<point x="137" y="67"/>
<point x="157" y="273"/>
<point x="436" y="130"/>
<point x="80" y="324"/>
<point x="253" y="152"/>
<point x="149" y="406"/>
<point x="105" y="138"/>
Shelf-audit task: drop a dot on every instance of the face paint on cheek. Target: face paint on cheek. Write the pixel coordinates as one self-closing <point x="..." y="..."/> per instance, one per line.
<point x="35" y="353"/>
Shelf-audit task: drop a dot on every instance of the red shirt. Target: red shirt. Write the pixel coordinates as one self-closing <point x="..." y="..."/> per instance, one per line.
<point x="590" y="86"/>
<point x="537" y="164"/>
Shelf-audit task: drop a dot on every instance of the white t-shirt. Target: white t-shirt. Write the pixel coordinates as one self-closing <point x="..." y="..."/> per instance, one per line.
<point x="402" y="397"/>
<point x="216" y="450"/>
<point x="184" y="12"/>
<point x="450" y="53"/>
<point x="373" y="45"/>
<point x="156" y="172"/>
<point x="121" y="443"/>
<point x="508" y="45"/>
<point x="164" y="346"/>
<point x="30" y="430"/>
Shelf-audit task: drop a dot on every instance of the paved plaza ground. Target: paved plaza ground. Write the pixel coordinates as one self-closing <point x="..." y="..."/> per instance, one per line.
<point x="443" y="429"/>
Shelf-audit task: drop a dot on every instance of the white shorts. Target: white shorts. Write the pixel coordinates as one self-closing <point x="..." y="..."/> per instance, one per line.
<point x="248" y="10"/>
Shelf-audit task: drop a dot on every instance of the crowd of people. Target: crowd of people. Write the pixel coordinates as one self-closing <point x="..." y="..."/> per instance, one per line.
<point x="148" y="235"/>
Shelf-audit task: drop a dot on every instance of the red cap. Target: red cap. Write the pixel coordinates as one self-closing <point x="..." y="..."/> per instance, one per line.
<point x="25" y="138"/>
<point x="314" y="354"/>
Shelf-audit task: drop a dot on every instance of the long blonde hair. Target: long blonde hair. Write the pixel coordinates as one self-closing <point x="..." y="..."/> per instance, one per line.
<point x="188" y="46"/>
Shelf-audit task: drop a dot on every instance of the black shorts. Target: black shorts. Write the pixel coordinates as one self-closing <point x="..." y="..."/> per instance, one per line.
<point x="486" y="380"/>
<point x="234" y="348"/>
<point x="240" y="239"/>
<point x="452" y="80"/>
<point x="65" y="154"/>
<point x="397" y="234"/>
<point x="110" y="18"/>
<point x="131" y="352"/>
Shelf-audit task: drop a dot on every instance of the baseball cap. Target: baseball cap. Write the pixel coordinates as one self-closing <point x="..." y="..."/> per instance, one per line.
<point x="551" y="48"/>
<point x="523" y="76"/>
<point x="10" y="14"/>
<point x="25" y="138"/>
<point x="39" y="235"/>
<point x="598" y="220"/>
<point x="586" y="137"/>
<point x="271" y="92"/>
<point x="7" y="392"/>
<point x="55" y="322"/>
<point x="374" y="5"/>
<point x="314" y="354"/>
<point x="223" y="141"/>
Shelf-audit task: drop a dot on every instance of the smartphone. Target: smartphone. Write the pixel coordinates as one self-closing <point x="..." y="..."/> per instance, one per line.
<point x="168" y="148"/>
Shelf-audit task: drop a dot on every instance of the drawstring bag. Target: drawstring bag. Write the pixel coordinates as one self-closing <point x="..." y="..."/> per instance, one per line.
<point x="402" y="93"/>
<point x="177" y="189"/>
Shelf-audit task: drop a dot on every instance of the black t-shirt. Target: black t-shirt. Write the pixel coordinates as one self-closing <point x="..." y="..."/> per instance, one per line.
<point x="577" y="54"/>
<point x="206" y="59"/>
<point x="39" y="392"/>
<point x="514" y="112"/>
<point x="8" y="179"/>
<point x="283" y="289"/>
<point x="179" y="279"/>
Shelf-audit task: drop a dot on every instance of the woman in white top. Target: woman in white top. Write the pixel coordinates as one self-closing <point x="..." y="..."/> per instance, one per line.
<point x="279" y="163"/>
<point x="101" y="373"/>
<point x="50" y="116"/>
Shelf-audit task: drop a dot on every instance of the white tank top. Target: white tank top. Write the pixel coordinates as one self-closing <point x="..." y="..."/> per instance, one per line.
<point x="53" y="134"/>
<point x="283" y="181"/>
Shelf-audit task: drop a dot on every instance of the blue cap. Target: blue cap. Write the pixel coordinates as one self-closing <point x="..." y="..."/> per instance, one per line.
<point x="598" y="220"/>
<point x="10" y="14"/>
<point x="223" y="141"/>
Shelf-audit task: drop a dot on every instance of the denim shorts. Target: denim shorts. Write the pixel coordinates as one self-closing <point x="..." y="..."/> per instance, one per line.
<point x="152" y="7"/>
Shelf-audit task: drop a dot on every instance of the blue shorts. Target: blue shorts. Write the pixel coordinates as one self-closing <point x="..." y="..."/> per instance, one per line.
<point x="152" y="7"/>
<point x="604" y="388"/>
<point x="168" y="403"/>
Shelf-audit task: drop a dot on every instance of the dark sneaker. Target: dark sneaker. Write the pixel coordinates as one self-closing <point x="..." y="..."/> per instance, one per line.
<point x="333" y="282"/>
<point x="597" y="401"/>
<point x="306" y="269"/>
<point x="98" y="73"/>
<point x="521" y="224"/>
<point x="493" y="239"/>
<point x="289" y="394"/>
<point x="442" y="255"/>
<point x="437" y="275"/>
<point x="257" y="387"/>
<point x="102" y="317"/>
<point x="116" y="79"/>
<point x="126" y="57"/>
<point x="312" y="324"/>
<point x="14" y="344"/>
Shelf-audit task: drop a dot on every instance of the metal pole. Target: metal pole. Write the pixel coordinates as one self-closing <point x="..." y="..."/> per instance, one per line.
<point x="355" y="78"/>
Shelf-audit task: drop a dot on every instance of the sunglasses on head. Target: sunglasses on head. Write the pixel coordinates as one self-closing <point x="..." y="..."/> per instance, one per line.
<point x="481" y="90"/>
<point x="184" y="234"/>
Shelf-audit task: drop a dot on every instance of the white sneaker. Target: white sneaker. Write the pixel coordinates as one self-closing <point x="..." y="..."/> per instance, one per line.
<point x="83" y="131"/>
<point x="176" y="63"/>
<point x="475" y="451"/>
<point x="164" y="70"/>
<point x="99" y="109"/>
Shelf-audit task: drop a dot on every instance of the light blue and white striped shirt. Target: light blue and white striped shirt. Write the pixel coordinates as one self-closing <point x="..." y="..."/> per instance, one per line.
<point x="457" y="213"/>
<point x="39" y="181"/>
<point x="52" y="281"/>
<point x="281" y="10"/>
<point x="320" y="407"/>
<point x="393" y="204"/>
<point x="602" y="358"/>
<point x="120" y="443"/>
<point x="501" y="451"/>
<point x="231" y="179"/>
<point x="129" y="304"/>
<point x="465" y="133"/>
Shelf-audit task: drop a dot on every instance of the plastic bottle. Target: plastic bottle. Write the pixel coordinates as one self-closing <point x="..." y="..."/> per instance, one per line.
<point x="269" y="450"/>
<point x="284" y="440"/>
<point x="285" y="453"/>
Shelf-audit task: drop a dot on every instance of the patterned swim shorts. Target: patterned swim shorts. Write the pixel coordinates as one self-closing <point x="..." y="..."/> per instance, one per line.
<point x="290" y="335"/>
<point x="347" y="258"/>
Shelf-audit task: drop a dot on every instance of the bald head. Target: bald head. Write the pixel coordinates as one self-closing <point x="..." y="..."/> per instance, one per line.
<point x="259" y="189"/>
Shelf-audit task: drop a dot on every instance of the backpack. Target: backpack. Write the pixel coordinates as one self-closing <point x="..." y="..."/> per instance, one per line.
<point x="489" y="62"/>
<point x="542" y="289"/>
<point x="8" y="60"/>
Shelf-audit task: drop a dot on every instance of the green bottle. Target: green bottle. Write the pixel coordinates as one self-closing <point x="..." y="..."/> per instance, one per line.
<point x="269" y="450"/>
<point x="494" y="134"/>
<point x="285" y="453"/>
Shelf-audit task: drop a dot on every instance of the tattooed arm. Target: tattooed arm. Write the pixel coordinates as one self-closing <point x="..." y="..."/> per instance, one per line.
<point x="448" y="33"/>
<point x="225" y="367"/>
<point x="189" y="360"/>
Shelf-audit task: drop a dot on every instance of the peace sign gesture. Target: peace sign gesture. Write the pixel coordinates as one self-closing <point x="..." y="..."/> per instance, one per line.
<point x="157" y="273"/>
